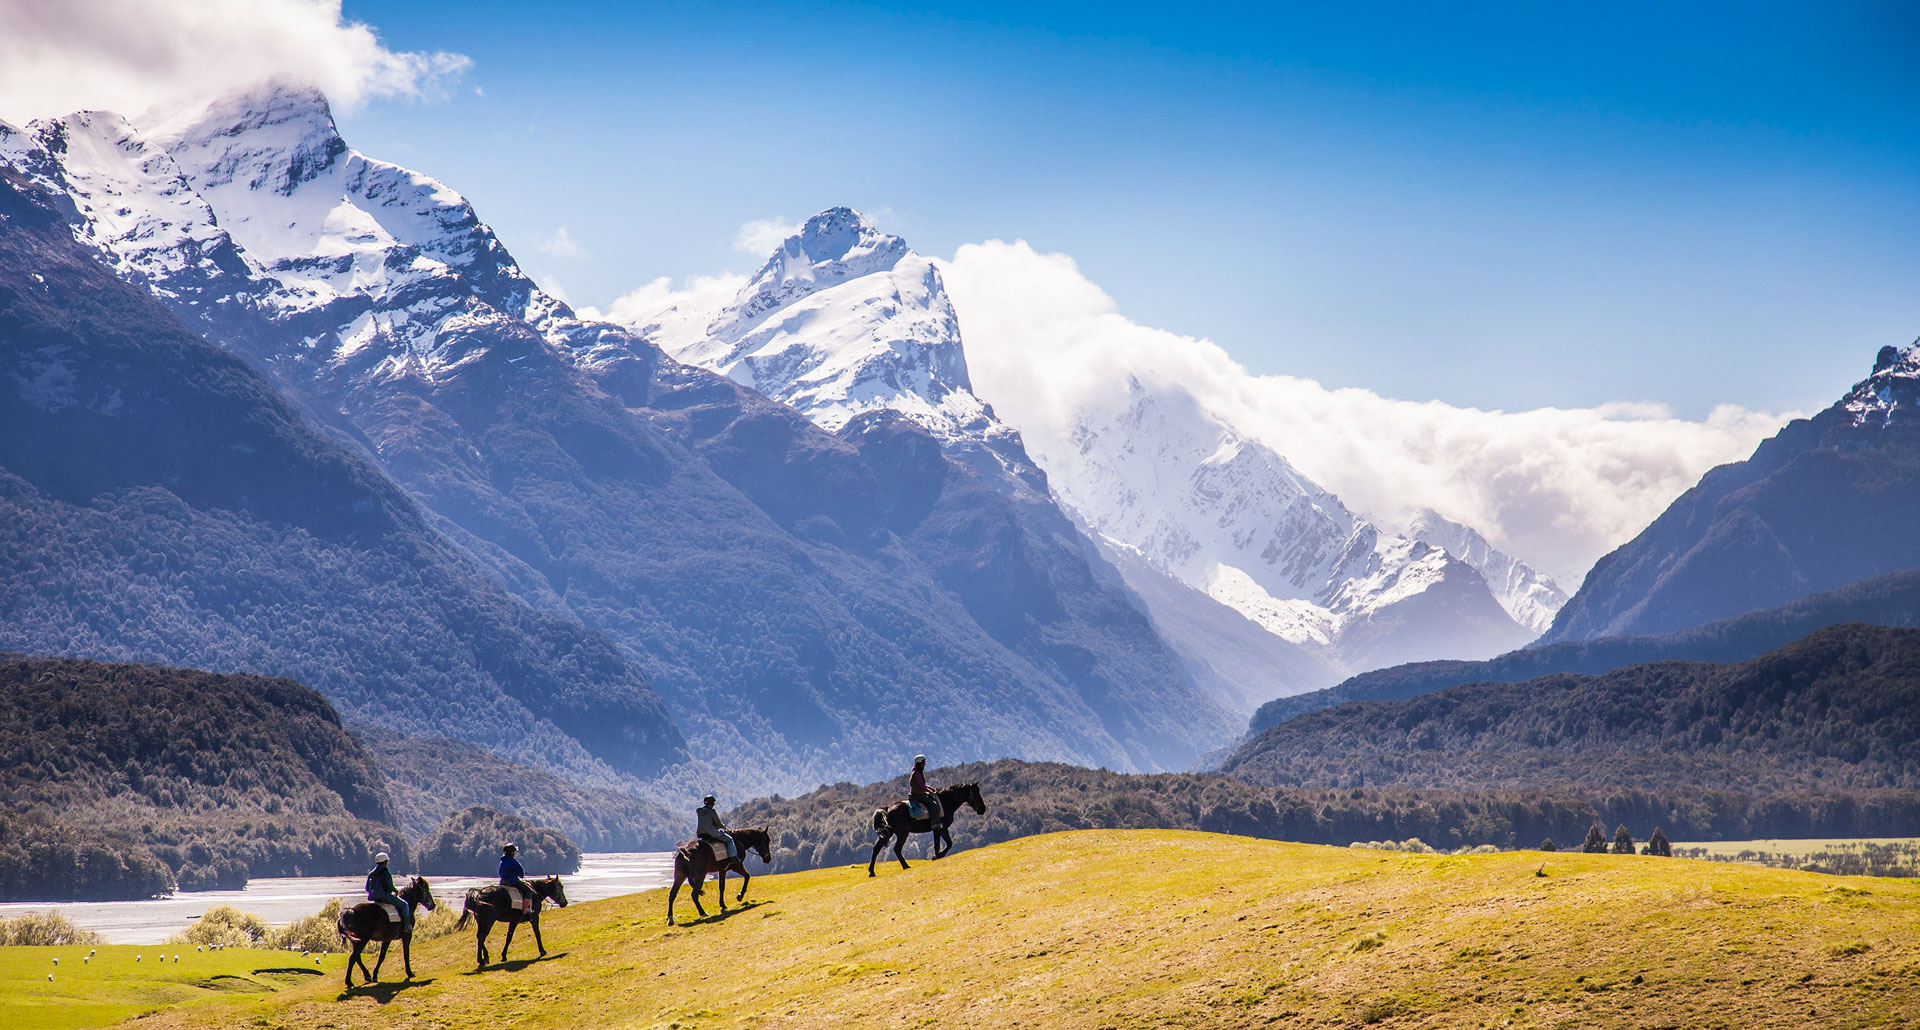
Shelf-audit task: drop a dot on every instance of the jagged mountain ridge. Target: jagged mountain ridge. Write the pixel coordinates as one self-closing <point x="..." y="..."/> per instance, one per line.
<point x="1825" y="502"/>
<point x="746" y="556"/>
<point x="161" y="503"/>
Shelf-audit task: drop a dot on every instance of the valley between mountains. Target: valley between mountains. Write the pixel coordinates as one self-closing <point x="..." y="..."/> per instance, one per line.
<point x="287" y="433"/>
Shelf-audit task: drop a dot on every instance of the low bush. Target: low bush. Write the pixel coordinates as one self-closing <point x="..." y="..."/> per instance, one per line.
<point x="38" y="928"/>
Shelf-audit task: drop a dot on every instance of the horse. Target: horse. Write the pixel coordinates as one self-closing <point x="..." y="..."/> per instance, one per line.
<point x="367" y="922"/>
<point x="693" y="863"/>
<point x="488" y="905"/>
<point x="896" y="822"/>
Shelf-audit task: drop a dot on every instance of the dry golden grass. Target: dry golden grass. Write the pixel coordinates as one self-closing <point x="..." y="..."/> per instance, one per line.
<point x="1162" y="928"/>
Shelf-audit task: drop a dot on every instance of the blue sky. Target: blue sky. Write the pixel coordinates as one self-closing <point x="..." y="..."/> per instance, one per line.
<point x="1495" y="206"/>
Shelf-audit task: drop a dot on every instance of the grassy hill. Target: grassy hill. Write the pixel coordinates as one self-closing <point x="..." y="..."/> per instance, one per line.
<point x="1163" y="928"/>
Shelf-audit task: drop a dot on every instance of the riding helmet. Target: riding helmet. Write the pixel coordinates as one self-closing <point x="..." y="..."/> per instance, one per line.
<point x="380" y="859"/>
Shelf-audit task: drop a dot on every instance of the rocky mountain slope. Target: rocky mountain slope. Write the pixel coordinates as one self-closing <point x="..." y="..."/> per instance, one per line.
<point x="159" y="502"/>
<point x="1826" y="502"/>
<point x="802" y="617"/>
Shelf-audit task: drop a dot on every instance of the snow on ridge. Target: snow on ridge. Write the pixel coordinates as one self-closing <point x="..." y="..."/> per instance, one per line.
<point x="1527" y="594"/>
<point x="1891" y="393"/>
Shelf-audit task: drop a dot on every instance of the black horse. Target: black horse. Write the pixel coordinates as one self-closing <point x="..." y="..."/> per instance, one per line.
<point x="693" y="862"/>
<point x="489" y="905"/>
<point x="896" y="823"/>
<point x="367" y="922"/>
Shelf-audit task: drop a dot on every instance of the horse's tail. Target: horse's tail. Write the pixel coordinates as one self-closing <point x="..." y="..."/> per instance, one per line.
<point x="879" y="820"/>
<point x="466" y="910"/>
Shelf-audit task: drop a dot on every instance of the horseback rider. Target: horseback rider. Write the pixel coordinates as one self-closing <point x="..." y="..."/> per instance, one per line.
<point x="380" y="888"/>
<point x="511" y="875"/>
<point x="710" y="827"/>
<point x="922" y="803"/>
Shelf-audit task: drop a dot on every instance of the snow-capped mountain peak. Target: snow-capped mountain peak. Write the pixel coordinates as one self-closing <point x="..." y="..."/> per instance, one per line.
<point x="832" y="247"/>
<point x="1891" y="395"/>
<point x="1527" y="594"/>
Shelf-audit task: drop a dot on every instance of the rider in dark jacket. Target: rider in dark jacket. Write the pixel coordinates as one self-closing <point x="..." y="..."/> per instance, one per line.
<point x="380" y="888"/>
<point x="511" y="875"/>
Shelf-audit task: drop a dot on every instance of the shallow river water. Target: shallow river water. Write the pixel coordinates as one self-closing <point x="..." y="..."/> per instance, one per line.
<point x="284" y="899"/>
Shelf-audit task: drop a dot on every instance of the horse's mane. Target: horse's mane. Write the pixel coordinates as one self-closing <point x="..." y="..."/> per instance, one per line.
<point x="751" y="831"/>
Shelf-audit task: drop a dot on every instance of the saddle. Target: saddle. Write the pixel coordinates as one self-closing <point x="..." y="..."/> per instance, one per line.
<point x="393" y="914"/>
<point x="917" y="810"/>
<point x="516" y="900"/>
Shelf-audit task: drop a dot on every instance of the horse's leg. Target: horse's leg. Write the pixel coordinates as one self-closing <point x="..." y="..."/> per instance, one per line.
<point x="483" y="925"/>
<point x="538" y="943"/>
<point x="744" y="877"/>
<point x="406" y="954"/>
<point x="942" y="842"/>
<point x="512" y="925"/>
<point x="678" y="876"/>
<point x="879" y="844"/>
<point x="696" y="885"/>
<point x="381" y="960"/>
<point x="900" y="850"/>
<point x="723" y="888"/>
<point x="351" y="959"/>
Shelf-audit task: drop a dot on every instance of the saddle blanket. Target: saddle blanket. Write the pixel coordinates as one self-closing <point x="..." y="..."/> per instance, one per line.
<point x="393" y="914"/>
<point x="718" y="850"/>
<point x="516" y="900"/>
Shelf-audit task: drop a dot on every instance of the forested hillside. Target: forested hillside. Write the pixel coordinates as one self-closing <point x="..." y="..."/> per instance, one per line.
<point x="1837" y="711"/>
<point x="220" y="777"/>
<point x="1889" y="600"/>
<point x="431" y="778"/>
<point x="833" y="825"/>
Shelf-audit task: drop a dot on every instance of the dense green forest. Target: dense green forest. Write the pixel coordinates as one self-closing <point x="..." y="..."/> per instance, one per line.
<point x="430" y="778"/>
<point x="218" y="777"/>
<point x="833" y="825"/>
<point x="1889" y="600"/>
<point x="469" y="842"/>
<point x="1836" y="712"/>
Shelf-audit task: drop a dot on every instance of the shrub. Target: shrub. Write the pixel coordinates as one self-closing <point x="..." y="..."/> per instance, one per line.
<point x="1659" y="845"/>
<point x="38" y="928"/>
<point x="317" y="932"/>
<point x="1622" y="840"/>
<point x="1596" y="843"/>
<point x="224" y="926"/>
<point x="1548" y="845"/>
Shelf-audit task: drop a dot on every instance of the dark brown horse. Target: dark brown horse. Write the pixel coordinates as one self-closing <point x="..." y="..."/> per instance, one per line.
<point x="367" y="922"/>
<point x="490" y="904"/>
<point x="693" y="863"/>
<point x="896" y="822"/>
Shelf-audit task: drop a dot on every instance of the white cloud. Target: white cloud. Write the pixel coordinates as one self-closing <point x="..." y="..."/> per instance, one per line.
<point x="698" y="296"/>
<point x="763" y="236"/>
<point x="1557" y="487"/>
<point x="561" y="244"/>
<point x="58" y="56"/>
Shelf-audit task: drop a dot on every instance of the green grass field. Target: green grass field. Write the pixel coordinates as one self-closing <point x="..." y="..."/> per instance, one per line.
<point x="1160" y="928"/>
<point x="113" y="985"/>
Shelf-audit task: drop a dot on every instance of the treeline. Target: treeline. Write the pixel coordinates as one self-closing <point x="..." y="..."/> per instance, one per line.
<point x="429" y="778"/>
<point x="217" y="778"/>
<point x="1835" y="713"/>
<point x="1889" y="600"/>
<point x="469" y="844"/>
<point x="833" y="825"/>
<point x="43" y="861"/>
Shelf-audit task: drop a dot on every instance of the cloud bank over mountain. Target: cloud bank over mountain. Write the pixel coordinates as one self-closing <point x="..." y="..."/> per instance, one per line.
<point x="128" y="55"/>
<point x="1556" y="486"/>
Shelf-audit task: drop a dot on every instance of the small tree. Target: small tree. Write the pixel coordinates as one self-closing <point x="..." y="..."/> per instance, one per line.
<point x="1659" y="845"/>
<point x="1549" y="845"/>
<point x="1622" y="840"/>
<point x="1596" y="840"/>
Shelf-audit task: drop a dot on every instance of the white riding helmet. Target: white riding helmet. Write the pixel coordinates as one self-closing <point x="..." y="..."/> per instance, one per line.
<point x="380" y="859"/>
<point x="919" y="759"/>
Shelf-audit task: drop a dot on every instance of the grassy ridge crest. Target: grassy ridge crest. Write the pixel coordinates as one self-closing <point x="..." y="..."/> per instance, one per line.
<point x="1150" y="928"/>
